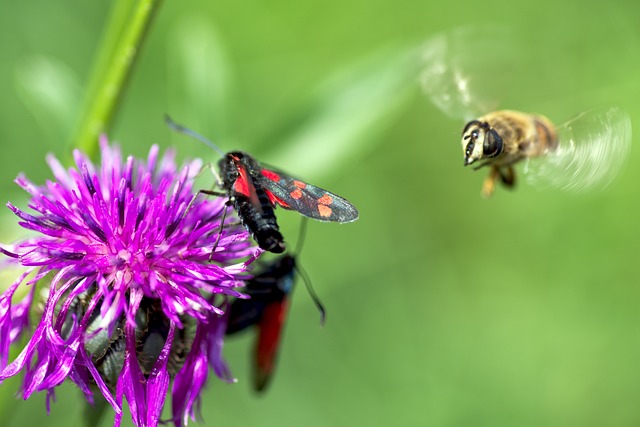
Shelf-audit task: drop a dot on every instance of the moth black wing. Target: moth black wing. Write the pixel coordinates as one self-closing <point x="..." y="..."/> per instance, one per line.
<point x="309" y="200"/>
<point x="273" y="285"/>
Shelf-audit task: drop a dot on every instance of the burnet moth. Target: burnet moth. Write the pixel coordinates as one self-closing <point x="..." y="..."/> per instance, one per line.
<point x="255" y="191"/>
<point x="266" y="311"/>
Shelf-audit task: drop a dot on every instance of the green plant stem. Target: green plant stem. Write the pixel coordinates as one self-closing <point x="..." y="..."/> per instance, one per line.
<point x="116" y="23"/>
<point x="119" y="51"/>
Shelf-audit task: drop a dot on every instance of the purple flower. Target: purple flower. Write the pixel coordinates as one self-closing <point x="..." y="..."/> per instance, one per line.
<point x="134" y="297"/>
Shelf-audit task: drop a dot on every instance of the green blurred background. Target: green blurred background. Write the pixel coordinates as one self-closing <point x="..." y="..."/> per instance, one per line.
<point x="444" y="309"/>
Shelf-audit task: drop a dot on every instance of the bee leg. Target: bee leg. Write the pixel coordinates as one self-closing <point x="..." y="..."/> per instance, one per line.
<point x="489" y="183"/>
<point x="508" y="176"/>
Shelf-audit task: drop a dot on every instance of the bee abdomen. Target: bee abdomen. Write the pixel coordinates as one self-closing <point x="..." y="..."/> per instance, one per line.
<point x="546" y="134"/>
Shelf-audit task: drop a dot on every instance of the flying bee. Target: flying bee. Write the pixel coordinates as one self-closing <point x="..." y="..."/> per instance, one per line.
<point x="501" y="139"/>
<point x="581" y="154"/>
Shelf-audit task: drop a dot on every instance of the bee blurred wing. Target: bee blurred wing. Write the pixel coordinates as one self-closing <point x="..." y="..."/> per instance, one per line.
<point x="466" y="71"/>
<point x="592" y="149"/>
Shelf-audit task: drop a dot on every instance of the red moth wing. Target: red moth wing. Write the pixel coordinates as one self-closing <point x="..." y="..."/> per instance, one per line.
<point x="268" y="342"/>
<point x="309" y="200"/>
<point x="245" y="185"/>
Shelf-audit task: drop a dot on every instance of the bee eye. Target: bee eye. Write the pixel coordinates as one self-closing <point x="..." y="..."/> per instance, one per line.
<point x="493" y="145"/>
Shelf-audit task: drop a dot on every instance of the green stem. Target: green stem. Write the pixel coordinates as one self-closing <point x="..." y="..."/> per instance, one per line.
<point x="117" y="21"/>
<point x="120" y="49"/>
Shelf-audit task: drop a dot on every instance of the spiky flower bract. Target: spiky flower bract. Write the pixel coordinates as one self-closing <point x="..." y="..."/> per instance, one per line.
<point x="133" y="295"/>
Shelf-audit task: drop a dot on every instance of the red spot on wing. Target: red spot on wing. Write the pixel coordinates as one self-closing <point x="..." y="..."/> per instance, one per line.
<point x="296" y="194"/>
<point x="270" y="175"/>
<point x="323" y="205"/>
<point x="275" y="200"/>
<point x="299" y="184"/>
<point x="325" y="200"/>
<point x="325" y="211"/>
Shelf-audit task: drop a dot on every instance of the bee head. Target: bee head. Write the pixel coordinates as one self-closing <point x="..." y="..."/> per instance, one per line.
<point x="480" y="141"/>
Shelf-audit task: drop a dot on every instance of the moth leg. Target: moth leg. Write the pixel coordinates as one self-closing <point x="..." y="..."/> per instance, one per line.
<point x="224" y="216"/>
<point x="202" y="170"/>
<point x="195" y="196"/>
<point x="208" y="166"/>
<point x="489" y="183"/>
<point x="508" y="176"/>
<point x="216" y="175"/>
<point x="212" y="193"/>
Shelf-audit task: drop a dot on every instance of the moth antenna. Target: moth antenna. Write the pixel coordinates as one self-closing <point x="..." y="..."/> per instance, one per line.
<point x="312" y="293"/>
<point x="305" y="277"/>
<point x="301" y="235"/>
<point x="193" y="134"/>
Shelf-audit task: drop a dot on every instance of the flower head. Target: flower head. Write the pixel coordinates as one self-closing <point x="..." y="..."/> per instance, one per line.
<point x="134" y="295"/>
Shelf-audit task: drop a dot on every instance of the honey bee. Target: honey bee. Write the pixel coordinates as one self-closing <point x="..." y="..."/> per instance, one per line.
<point x="583" y="153"/>
<point x="503" y="138"/>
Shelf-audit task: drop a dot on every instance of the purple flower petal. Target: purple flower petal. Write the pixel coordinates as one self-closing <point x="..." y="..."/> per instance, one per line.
<point x="128" y="246"/>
